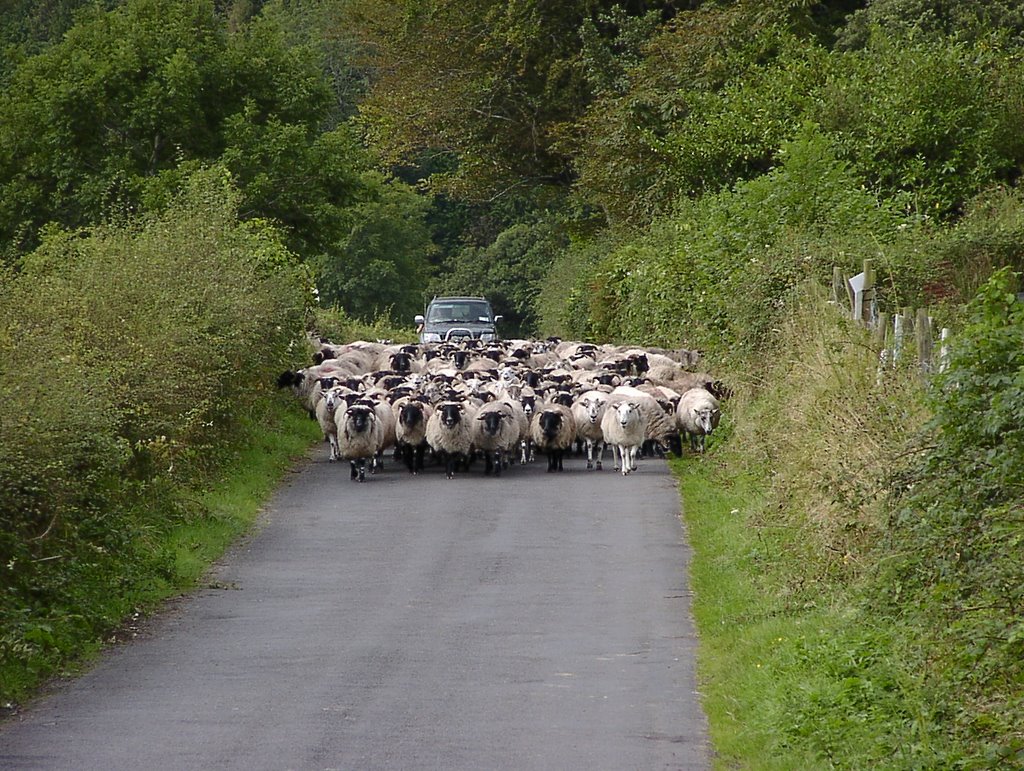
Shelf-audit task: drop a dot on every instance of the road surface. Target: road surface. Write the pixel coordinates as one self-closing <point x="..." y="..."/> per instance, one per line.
<point x="536" y="621"/>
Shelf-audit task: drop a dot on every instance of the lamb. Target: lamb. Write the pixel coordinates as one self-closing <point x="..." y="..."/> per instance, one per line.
<point x="553" y="431"/>
<point x="449" y="435"/>
<point x="697" y="415"/>
<point x="359" y="437"/>
<point x="588" y="411"/>
<point x="624" y="427"/>
<point x="495" y="432"/>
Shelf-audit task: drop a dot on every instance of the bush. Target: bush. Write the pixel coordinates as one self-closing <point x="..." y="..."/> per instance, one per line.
<point x="957" y="529"/>
<point x="716" y="274"/>
<point x="129" y="354"/>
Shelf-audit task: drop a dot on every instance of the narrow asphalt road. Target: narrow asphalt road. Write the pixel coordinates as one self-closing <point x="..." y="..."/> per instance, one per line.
<point x="536" y="621"/>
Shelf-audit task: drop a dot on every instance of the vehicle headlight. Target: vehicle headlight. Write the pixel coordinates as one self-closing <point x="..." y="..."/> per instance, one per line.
<point x="430" y="337"/>
<point x="487" y="336"/>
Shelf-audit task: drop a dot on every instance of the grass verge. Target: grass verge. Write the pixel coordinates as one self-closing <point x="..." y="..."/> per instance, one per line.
<point x="791" y="679"/>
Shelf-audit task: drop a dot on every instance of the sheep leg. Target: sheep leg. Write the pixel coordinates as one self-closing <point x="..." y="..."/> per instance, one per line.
<point x="449" y="467"/>
<point x="335" y="452"/>
<point x="600" y="454"/>
<point x="497" y="463"/>
<point x="362" y="469"/>
<point x="488" y="464"/>
<point x="420" y="450"/>
<point x="355" y="470"/>
<point x="590" y="454"/>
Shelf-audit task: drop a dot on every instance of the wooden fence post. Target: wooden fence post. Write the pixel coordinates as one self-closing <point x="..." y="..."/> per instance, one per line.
<point x="868" y="311"/>
<point x="838" y="286"/>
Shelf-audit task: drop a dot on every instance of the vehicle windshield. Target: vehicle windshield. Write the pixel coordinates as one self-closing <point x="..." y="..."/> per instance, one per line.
<point x="464" y="312"/>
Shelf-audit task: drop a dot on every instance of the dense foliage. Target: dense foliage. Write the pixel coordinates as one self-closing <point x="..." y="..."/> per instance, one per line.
<point x="123" y="357"/>
<point x="109" y="119"/>
<point x="955" y="572"/>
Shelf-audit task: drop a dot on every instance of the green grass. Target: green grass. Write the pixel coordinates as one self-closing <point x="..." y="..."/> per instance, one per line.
<point x="791" y="678"/>
<point x="748" y="662"/>
<point x="233" y="502"/>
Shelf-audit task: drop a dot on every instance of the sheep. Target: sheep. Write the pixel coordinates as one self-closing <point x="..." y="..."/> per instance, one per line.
<point x="624" y="426"/>
<point x="359" y="437"/>
<point x="587" y="412"/>
<point x="386" y="418"/>
<point x="660" y="424"/>
<point x="325" y="412"/>
<point x="528" y="402"/>
<point x="412" y="415"/>
<point x="553" y="431"/>
<point x="697" y="415"/>
<point x="449" y="434"/>
<point x="495" y="432"/>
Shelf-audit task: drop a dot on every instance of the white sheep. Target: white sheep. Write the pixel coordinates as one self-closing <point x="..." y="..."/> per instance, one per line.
<point x="661" y="430"/>
<point x="325" y="414"/>
<point x="624" y="427"/>
<point x="697" y="415"/>
<point x="359" y="437"/>
<point x="553" y="431"/>
<point x="587" y="412"/>
<point x="449" y="433"/>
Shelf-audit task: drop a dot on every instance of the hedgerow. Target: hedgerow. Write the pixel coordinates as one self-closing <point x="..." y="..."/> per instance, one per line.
<point x="130" y="354"/>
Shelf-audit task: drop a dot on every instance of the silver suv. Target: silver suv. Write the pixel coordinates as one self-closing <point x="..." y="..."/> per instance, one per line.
<point x="453" y="318"/>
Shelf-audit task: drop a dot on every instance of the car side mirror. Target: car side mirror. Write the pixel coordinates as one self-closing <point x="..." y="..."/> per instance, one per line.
<point x="418" y="320"/>
<point x="498" y="318"/>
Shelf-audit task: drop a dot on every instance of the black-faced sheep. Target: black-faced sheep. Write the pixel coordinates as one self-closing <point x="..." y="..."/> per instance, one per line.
<point x="495" y="433"/>
<point x="359" y="437"/>
<point x="553" y="431"/>
<point x="411" y="430"/>
<point x="449" y="434"/>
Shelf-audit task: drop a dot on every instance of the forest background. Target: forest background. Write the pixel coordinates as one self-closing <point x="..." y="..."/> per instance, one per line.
<point x="187" y="187"/>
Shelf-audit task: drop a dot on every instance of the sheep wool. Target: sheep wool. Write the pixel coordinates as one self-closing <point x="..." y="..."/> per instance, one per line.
<point x="359" y="437"/>
<point x="553" y="430"/>
<point x="697" y="415"/>
<point x="624" y="427"/>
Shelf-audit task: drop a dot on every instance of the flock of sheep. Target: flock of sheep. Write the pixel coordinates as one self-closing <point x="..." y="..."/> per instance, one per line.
<point x="503" y="401"/>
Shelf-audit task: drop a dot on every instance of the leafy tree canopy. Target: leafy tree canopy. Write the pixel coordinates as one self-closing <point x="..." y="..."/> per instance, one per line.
<point x="489" y="84"/>
<point x="93" y="120"/>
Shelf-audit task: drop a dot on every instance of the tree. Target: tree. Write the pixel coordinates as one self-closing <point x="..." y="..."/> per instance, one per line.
<point x="490" y="84"/>
<point x="98" y="123"/>
<point x="381" y="264"/>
